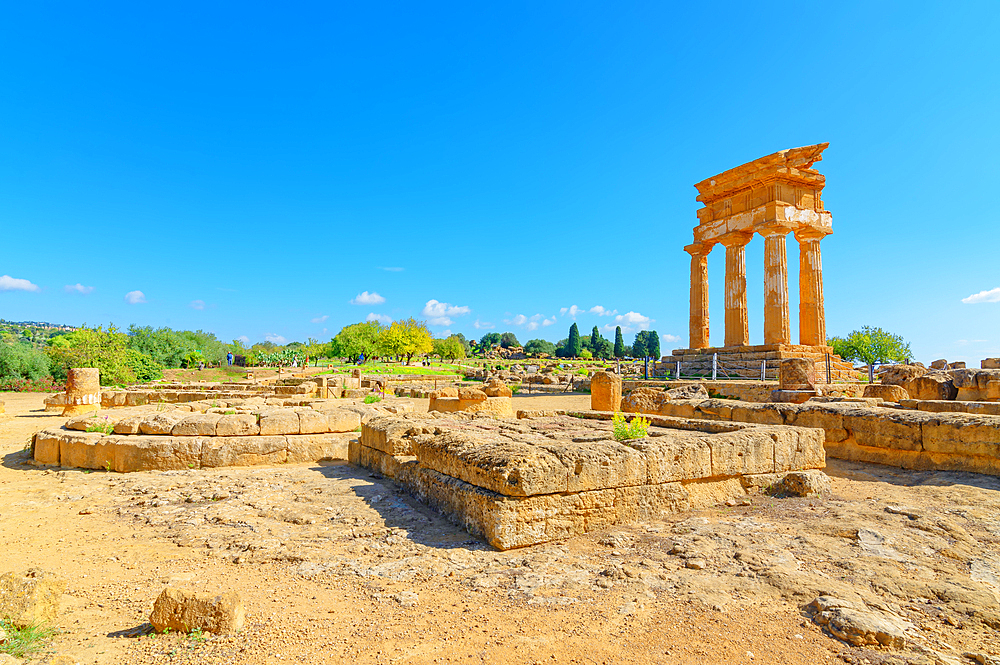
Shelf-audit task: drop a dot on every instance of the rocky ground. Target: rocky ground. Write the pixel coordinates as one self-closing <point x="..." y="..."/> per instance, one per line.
<point x="337" y="565"/>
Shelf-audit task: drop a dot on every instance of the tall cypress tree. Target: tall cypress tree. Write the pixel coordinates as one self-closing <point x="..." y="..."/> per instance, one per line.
<point x="653" y="344"/>
<point x="639" y="345"/>
<point x="619" y="343"/>
<point x="573" y="344"/>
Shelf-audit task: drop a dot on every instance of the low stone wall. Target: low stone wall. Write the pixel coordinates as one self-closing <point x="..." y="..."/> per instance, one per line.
<point x="747" y="391"/>
<point x="863" y="431"/>
<point x="144" y="438"/>
<point x="948" y="406"/>
<point x="519" y="483"/>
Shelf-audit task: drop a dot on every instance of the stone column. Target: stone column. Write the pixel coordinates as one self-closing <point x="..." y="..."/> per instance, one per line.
<point x="698" y="324"/>
<point x="776" y="326"/>
<point x="737" y="329"/>
<point x="83" y="390"/>
<point x="812" y="320"/>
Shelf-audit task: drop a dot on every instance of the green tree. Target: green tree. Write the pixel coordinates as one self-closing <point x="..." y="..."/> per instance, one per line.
<point x="406" y="339"/>
<point x="359" y="339"/>
<point x="619" y="343"/>
<point x="653" y="344"/>
<point x="537" y="346"/>
<point x="573" y="344"/>
<point x="639" y="345"/>
<point x="600" y="347"/>
<point x="108" y="350"/>
<point x="872" y="345"/>
<point x="508" y="339"/>
<point x="450" y="348"/>
<point x="20" y="360"/>
<point x="489" y="340"/>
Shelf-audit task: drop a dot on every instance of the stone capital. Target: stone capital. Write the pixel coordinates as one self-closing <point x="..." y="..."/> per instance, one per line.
<point x="774" y="229"/>
<point x="699" y="248"/>
<point x="810" y="233"/>
<point x="736" y="238"/>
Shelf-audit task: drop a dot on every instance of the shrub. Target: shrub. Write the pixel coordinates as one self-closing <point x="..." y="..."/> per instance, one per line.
<point x="626" y="431"/>
<point x="44" y="385"/>
<point x="21" y="361"/>
<point x="106" y="427"/>
<point x="371" y="399"/>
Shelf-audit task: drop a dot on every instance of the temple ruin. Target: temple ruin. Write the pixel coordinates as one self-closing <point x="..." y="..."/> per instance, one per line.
<point x="771" y="196"/>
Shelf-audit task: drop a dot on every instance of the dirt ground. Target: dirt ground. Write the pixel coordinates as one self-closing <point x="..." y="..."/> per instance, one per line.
<point x="337" y="565"/>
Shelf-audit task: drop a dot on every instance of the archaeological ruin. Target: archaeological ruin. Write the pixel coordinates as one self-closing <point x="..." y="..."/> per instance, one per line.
<point x="771" y="196"/>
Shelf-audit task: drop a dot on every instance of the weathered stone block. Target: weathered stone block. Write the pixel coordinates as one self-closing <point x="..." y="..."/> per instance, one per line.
<point x="316" y="447"/>
<point x="243" y="451"/>
<point x="87" y="450"/>
<point x="963" y="434"/>
<point x="742" y="452"/>
<point x="887" y="391"/>
<point x="46" y="448"/>
<point x="203" y="424"/>
<point x="30" y="598"/>
<point x="160" y="423"/>
<point x="184" y="612"/>
<point x="931" y="386"/>
<point x="312" y="422"/>
<point x="240" y="424"/>
<point x="683" y="457"/>
<point x="605" y="391"/>
<point x="149" y="453"/>
<point x="279" y="421"/>
<point x="797" y="374"/>
<point x="129" y="424"/>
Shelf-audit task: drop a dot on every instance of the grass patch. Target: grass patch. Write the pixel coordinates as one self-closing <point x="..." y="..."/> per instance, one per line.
<point x="24" y="642"/>
<point x="371" y="399"/>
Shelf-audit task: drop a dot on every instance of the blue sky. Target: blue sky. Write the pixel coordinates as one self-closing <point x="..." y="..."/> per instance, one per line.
<point x="280" y="172"/>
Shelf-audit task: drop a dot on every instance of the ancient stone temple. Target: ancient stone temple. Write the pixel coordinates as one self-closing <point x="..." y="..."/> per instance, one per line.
<point x="772" y="196"/>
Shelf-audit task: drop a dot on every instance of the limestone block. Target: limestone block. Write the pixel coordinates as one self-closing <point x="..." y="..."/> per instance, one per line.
<point x="737" y="453"/>
<point x="30" y="598"/>
<point x="87" y="450"/>
<point x="398" y="467"/>
<point x="931" y="386"/>
<point x="715" y="409"/>
<point x="890" y="392"/>
<point x="761" y="413"/>
<point x="956" y="365"/>
<point x="642" y="400"/>
<point x="129" y="424"/>
<point x="243" y="451"/>
<point x="240" y="424"/>
<point x="203" y="424"/>
<point x="962" y="435"/>
<point x="898" y="430"/>
<point x="797" y="374"/>
<point x="496" y="388"/>
<point x="793" y="396"/>
<point x="993" y="391"/>
<point x="81" y="423"/>
<point x="389" y="434"/>
<point x="316" y="447"/>
<point x="599" y="464"/>
<point x="136" y="399"/>
<point x="83" y="390"/>
<point x="150" y="453"/>
<point x="693" y="391"/>
<point x="939" y="364"/>
<point x="471" y="395"/>
<point x="445" y="392"/>
<point x="342" y="420"/>
<point x="312" y="422"/>
<point x="679" y="408"/>
<point x="279" y="421"/>
<point x="673" y="459"/>
<point x="184" y="612"/>
<point x="511" y="468"/>
<point x="990" y="363"/>
<point x="605" y="391"/>
<point x="46" y="448"/>
<point x="160" y="423"/>
<point x="898" y="375"/>
<point x="798" y="448"/>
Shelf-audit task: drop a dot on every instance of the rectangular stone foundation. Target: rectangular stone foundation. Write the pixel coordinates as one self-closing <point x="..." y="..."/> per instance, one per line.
<point x="519" y="484"/>
<point x="744" y="361"/>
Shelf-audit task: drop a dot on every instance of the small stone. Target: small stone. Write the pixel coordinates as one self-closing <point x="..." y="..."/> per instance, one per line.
<point x="185" y="611"/>
<point x="695" y="564"/>
<point x="7" y="659"/>
<point x="30" y="598"/>
<point x="406" y="598"/>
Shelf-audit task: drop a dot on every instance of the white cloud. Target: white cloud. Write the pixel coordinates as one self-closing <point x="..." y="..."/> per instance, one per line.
<point x="633" y="321"/>
<point x="533" y="322"/>
<point x="381" y="318"/>
<point x="518" y="320"/>
<point x="600" y="311"/>
<point x="135" y="297"/>
<point x="440" y="321"/>
<point x="320" y="319"/>
<point x="390" y="269"/>
<point x="244" y="339"/>
<point x="365" y="298"/>
<point x="670" y="339"/>
<point x="483" y="325"/>
<point x="78" y="288"/>
<point x="571" y="311"/>
<point x="548" y="322"/>
<point x="442" y="310"/>
<point x="277" y="339"/>
<point x="993" y="295"/>
<point x="197" y="304"/>
<point x="445" y="334"/>
<point x="8" y="283"/>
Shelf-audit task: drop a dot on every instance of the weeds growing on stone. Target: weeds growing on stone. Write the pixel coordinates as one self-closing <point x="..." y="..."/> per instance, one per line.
<point x="106" y="427"/>
<point x="371" y="399"/>
<point x="24" y="642"/>
<point x="625" y="430"/>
